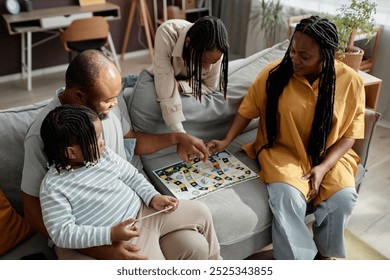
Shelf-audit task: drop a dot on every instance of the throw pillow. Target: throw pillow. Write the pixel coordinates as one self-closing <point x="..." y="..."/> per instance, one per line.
<point x="13" y="227"/>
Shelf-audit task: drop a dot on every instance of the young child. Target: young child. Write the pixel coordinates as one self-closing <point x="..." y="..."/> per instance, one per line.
<point x="90" y="194"/>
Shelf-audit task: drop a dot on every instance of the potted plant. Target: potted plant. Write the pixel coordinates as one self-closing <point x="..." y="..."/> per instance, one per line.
<point x="268" y="14"/>
<point x="355" y="18"/>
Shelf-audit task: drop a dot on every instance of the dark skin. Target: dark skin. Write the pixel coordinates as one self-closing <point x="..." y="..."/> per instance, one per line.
<point x="125" y="230"/>
<point x="188" y="146"/>
<point x="307" y="61"/>
<point x="108" y="87"/>
<point x="32" y="207"/>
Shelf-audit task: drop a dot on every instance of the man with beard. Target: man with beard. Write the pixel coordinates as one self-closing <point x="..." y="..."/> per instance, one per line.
<point x="94" y="81"/>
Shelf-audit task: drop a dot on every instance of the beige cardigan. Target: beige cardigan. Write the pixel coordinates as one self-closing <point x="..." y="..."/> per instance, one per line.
<point x="169" y="66"/>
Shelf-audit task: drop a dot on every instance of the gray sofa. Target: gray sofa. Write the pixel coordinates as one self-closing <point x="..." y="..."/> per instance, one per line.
<point x="241" y="215"/>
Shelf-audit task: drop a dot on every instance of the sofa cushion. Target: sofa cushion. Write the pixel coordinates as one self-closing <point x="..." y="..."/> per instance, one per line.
<point x="210" y="118"/>
<point x="13" y="129"/>
<point x="13" y="227"/>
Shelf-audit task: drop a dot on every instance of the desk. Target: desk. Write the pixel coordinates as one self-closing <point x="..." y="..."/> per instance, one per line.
<point x="43" y="20"/>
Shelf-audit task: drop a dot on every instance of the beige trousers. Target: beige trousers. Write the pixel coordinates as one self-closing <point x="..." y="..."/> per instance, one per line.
<point x="185" y="234"/>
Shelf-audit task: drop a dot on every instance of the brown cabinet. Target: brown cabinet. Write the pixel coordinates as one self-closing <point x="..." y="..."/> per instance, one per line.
<point x="372" y="87"/>
<point x="192" y="9"/>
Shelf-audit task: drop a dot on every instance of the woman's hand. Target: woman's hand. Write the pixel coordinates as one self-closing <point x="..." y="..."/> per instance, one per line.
<point x="160" y="202"/>
<point x="316" y="175"/>
<point x="238" y="125"/>
<point x="124" y="231"/>
<point x="215" y="146"/>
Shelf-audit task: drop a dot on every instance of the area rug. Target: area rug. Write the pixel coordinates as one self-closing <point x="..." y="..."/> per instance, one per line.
<point x="356" y="249"/>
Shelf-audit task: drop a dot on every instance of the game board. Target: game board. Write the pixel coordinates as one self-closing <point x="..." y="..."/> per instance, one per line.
<point x="195" y="179"/>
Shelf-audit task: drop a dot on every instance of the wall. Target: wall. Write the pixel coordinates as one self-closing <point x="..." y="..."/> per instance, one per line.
<point x="51" y="53"/>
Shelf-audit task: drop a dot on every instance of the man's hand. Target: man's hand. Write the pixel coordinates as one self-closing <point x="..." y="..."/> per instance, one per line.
<point x="189" y="147"/>
<point x="33" y="213"/>
<point x="124" y="231"/>
<point x="122" y="250"/>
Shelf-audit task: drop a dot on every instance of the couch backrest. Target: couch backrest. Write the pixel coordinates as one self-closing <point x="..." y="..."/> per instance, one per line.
<point x="13" y="128"/>
<point x="362" y="146"/>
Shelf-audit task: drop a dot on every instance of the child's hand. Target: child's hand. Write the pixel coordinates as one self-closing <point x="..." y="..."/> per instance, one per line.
<point x="160" y="202"/>
<point x="124" y="231"/>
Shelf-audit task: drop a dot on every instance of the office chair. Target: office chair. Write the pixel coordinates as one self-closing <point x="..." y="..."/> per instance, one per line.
<point x="89" y="33"/>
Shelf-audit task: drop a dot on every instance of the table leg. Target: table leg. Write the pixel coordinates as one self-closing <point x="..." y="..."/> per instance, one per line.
<point x="29" y="60"/>
<point x="23" y="55"/>
<point x="144" y="11"/>
<point x="133" y="7"/>
<point x="113" y="52"/>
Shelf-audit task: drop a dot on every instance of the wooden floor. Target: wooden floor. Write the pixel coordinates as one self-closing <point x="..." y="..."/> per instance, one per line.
<point x="371" y="218"/>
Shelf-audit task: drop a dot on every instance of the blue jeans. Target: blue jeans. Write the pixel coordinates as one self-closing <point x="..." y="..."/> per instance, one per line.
<point x="291" y="238"/>
<point x="129" y="144"/>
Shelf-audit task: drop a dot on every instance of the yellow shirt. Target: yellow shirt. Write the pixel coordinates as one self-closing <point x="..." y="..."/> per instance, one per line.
<point x="288" y="160"/>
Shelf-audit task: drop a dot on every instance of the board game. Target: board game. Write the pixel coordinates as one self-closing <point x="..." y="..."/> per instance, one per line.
<point x="197" y="178"/>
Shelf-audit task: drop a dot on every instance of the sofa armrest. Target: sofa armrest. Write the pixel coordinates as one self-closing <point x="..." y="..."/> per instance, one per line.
<point x="362" y="146"/>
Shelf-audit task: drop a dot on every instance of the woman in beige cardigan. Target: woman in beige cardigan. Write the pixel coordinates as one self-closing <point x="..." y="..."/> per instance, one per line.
<point x="190" y="58"/>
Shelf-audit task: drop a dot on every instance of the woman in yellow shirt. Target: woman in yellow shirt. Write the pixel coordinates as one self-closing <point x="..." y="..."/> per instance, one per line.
<point x="311" y="110"/>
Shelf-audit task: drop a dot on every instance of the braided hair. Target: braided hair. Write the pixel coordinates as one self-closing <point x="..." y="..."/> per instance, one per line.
<point x="69" y="125"/>
<point x="325" y="33"/>
<point x="206" y="34"/>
